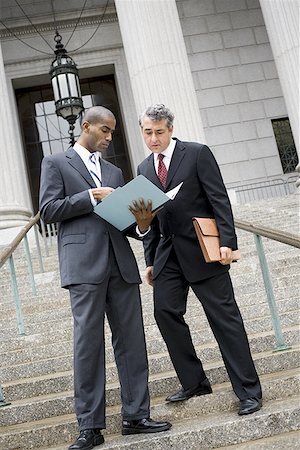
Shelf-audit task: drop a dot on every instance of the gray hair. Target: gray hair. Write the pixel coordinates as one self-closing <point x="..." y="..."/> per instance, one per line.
<point x="156" y="113"/>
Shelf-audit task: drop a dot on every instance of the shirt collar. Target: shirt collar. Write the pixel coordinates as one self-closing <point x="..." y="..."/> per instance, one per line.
<point x="169" y="150"/>
<point x="83" y="152"/>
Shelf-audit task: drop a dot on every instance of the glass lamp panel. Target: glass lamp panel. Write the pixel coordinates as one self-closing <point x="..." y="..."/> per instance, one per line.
<point x="66" y="111"/>
<point x="55" y="89"/>
<point x="78" y="87"/>
<point x="72" y="85"/>
<point x="62" y="80"/>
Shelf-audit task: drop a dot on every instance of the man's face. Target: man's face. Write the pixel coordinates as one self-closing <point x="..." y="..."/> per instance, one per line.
<point x="156" y="134"/>
<point x="99" y="135"/>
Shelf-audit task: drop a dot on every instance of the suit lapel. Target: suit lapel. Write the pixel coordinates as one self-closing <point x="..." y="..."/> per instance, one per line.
<point x="151" y="173"/>
<point x="76" y="162"/>
<point x="178" y="154"/>
<point x="105" y="172"/>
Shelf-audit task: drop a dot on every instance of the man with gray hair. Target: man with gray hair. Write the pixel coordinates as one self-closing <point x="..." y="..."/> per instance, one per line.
<point x="175" y="262"/>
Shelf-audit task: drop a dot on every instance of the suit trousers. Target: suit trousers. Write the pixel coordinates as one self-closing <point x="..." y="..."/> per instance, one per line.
<point x="217" y="298"/>
<point x="122" y="304"/>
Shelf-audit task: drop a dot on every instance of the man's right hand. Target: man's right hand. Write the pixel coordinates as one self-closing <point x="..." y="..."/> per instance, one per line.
<point x="149" y="275"/>
<point x="101" y="192"/>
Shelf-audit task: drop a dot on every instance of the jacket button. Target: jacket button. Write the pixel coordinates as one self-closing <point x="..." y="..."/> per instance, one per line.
<point x="161" y="235"/>
<point x="172" y="236"/>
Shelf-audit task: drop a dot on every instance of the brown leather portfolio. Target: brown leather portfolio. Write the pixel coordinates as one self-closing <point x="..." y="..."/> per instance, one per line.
<point x="208" y="237"/>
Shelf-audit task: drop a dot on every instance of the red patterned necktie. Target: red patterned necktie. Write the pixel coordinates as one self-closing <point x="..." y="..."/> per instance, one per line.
<point x="162" y="170"/>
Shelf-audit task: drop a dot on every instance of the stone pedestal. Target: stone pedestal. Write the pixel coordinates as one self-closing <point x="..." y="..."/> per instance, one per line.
<point x="157" y="62"/>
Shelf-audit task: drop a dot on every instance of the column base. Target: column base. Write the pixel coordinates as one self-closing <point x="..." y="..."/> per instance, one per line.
<point x="13" y="216"/>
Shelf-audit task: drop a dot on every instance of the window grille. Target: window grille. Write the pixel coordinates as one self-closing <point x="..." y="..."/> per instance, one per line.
<point x="286" y="145"/>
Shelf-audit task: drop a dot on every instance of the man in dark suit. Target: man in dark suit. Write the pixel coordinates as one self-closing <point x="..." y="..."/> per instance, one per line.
<point x="175" y="262"/>
<point x="99" y="269"/>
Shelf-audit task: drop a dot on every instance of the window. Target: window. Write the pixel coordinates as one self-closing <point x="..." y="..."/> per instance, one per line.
<point x="45" y="133"/>
<point x="286" y="145"/>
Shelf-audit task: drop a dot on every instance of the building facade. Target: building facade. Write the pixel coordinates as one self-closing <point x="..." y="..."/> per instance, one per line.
<point x="229" y="69"/>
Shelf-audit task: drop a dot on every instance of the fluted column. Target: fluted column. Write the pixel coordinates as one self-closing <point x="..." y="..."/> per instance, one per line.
<point x="282" y="22"/>
<point x="157" y="62"/>
<point x="14" y="195"/>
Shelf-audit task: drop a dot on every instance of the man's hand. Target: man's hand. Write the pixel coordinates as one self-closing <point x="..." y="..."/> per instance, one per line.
<point x="101" y="192"/>
<point x="226" y="255"/>
<point x="149" y="275"/>
<point x="143" y="215"/>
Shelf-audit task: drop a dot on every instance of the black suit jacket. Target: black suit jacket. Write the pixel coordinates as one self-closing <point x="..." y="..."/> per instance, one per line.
<point x="202" y="194"/>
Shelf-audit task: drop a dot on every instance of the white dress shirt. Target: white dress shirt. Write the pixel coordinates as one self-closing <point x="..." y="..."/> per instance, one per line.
<point x="85" y="156"/>
<point x="168" y="153"/>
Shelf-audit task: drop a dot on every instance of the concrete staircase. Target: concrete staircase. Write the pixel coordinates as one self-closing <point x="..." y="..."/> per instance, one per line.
<point x="36" y="369"/>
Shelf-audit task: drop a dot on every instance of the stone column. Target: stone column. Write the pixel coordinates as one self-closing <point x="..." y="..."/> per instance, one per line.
<point x="157" y="62"/>
<point x="282" y="23"/>
<point x="14" y="193"/>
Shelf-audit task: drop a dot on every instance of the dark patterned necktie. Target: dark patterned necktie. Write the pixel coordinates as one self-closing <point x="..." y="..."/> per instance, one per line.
<point x="162" y="170"/>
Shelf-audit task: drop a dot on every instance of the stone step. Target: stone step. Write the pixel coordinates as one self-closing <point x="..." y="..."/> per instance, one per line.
<point x="275" y="250"/>
<point x="53" y="378"/>
<point x="206" y="430"/>
<point x="58" y="304"/>
<point x="256" y="317"/>
<point x="279" y="385"/>
<point x="286" y="441"/>
<point x="279" y="264"/>
<point x="55" y="347"/>
<point x="39" y="320"/>
<point x="39" y="315"/>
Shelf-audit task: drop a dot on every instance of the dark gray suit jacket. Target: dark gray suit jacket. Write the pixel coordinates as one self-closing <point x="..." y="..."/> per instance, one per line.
<point x="202" y="194"/>
<point x="83" y="237"/>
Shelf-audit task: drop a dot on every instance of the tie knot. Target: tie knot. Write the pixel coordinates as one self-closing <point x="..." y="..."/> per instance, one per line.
<point x="161" y="156"/>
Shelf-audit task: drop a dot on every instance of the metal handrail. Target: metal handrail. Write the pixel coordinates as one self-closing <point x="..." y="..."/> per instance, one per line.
<point x="284" y="238"/>
<point x="7" y="255"/>
<point x="9" y="249"/>
<point x="280" y="236"/>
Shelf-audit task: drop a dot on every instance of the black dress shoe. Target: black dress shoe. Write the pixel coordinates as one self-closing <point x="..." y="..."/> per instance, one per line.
<point x="249" y="406"/>
<point x="144" y="426"/>
<point x="202" y="388"/>
<point x="87" y="439"/>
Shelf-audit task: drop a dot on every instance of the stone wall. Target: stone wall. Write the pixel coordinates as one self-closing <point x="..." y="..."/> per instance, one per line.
<point x="236" y="83"/>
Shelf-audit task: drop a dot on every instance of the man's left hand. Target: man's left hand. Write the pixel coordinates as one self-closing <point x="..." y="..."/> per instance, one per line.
<point x="143" y="215"/>
<point x="226" y="255"/>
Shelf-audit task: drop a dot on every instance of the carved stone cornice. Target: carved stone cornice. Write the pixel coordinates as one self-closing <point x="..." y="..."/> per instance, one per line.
<point x="27" y="30"/>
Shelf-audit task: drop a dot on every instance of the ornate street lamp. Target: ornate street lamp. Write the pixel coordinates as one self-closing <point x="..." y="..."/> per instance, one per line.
<point x="66" y="88"/>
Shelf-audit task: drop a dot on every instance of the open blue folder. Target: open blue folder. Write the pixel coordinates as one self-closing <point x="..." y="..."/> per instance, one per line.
<point x="114" y="208"/>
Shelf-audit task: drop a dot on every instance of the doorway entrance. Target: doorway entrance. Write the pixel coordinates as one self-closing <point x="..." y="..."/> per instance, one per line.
<point x="44" y="133"/>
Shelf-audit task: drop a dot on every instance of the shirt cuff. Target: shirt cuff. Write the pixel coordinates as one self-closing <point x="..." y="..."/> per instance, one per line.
<point x="138" y="232"/>
<point x="93" y="201"/>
